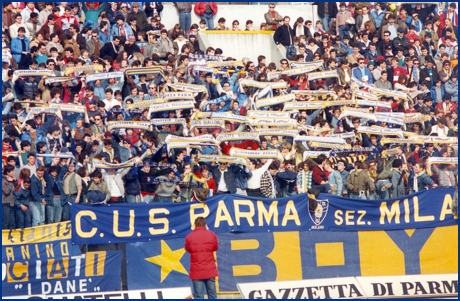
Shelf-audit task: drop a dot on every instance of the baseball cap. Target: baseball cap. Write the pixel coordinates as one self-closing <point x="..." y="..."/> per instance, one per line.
<point x="400" y="29"/>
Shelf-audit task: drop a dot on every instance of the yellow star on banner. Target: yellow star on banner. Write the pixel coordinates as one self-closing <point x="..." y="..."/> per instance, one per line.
<point x="168" y="260"/>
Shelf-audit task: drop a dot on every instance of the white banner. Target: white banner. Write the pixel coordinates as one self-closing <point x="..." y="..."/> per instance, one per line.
<point x="274" y="100"/>
<point x="334" y="140"/>
<point x="373" y="103"/>
<point x="163" y="293"/>
<point x="19" y="73"/>
<point x="267" y="114"/>
<point x="327" y="288"/>
<point x="406" y="286"/>
<point x="381" y="131"/>
<point x="275" y="132"/>
<point x="365" y="95"/>
<point x="410" y="286"/>
<point x="170" y="106"/>
<point x="303" y="105"/>
<point x="323" y="74"/>
<point x="256" y="154"/>
<point x="314" y="154"/>
<point x="300" y="70"/>
<point x="237" y="136"/>
<point x="204" y="123"/>
<point x="178" y="95"/>
<point x="128" y="125"/>
<point x="317" y="64"/>
<point x="102" y="76"/>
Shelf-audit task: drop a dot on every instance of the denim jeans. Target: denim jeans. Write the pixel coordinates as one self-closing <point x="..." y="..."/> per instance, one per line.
<point x="359" y="196"/>
<point x="6" y="108"/>
<point x="209" y="18"/>
<point x="326" y="21"/>
<point x="23" y="218"/>
<point x="185" y="20"/>
<point x="7" y="217"/>
<point x="66" y="207"/>
<point x="130" y="198"/>
<point x="54" y="211"/>
<point x="199" y="286"/>
<point x="322" y="188"/>
<point x="241" y="191"/>
<point x="37" y="209"/>
<point x="341" y="33"/>
<point x="148" y="198"/>
<point x="384" y="195"/>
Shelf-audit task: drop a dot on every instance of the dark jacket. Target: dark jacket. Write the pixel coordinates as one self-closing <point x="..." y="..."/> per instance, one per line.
<point x="22" y="197"/>
<point x="107" y="49"/>
<point x="401" y="43"/>
<point x="424" y="74"/>
<point x="36" y="189"/>
<point x="282" y="37"/>
<point x="332" y="8"/>
<point x="229" y="176"/>
<point x="7" y="191"/>
<point x="143" y="176"/>
<point x="359" y="21"/>
<point x="286" y="179"/>
<point x="149" y="11"/>
<point x="141" y="19"/>
<point x="59" y="180"/>
<point x="132" y="185"/>
<point x="201" y="244"/>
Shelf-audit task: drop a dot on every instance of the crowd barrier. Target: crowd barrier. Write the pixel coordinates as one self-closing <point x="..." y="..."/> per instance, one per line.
<point x="259" y="240"/>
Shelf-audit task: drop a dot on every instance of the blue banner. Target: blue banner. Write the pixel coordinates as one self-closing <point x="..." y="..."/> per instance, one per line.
<point x="284" y="256"/>
<point x="42" y="261"/>
<point x="124" y="223"/>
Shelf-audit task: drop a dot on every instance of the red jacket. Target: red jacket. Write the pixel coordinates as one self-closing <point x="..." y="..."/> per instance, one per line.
<point x="318" y="175"/>
<point x="200" y="7"/>
<point x="201" y="244"/>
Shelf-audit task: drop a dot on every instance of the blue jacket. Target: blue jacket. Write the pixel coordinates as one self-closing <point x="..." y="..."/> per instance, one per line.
<point x="241" y="178"/>
<point x="433" y="93"/>
<point x="22" y="197"/>
<point x="36" y="190"/>
<point x="229" y="176"/>
<point x="40" y="137"/>
<point x="344" y="174"/>
<point x="16" y="47"/>
<point x="422" y="181"/>
<point x="105" y="38"/>
<point x="378" y="17"/>
<point x="286" y="179"/>
<point x="336" y="178"/>
<point x="59" y="180"/>
<point x="356" y="72"/>
<point x="116" y="33"/>
<point x="111" y="15"/>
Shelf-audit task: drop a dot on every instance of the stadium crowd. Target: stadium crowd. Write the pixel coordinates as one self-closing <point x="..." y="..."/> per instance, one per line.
<point x="102" y="104"/>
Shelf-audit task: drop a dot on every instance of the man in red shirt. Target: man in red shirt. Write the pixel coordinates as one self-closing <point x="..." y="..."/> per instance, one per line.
<point x="201" y="244"/>
<point x="395" y="71"/>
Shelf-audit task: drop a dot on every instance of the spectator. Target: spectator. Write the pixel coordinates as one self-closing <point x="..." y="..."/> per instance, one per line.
<point x="272" y="18"/>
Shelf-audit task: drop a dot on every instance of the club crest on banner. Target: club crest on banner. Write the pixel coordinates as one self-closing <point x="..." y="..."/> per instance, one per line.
<point x="319" y="214"/>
